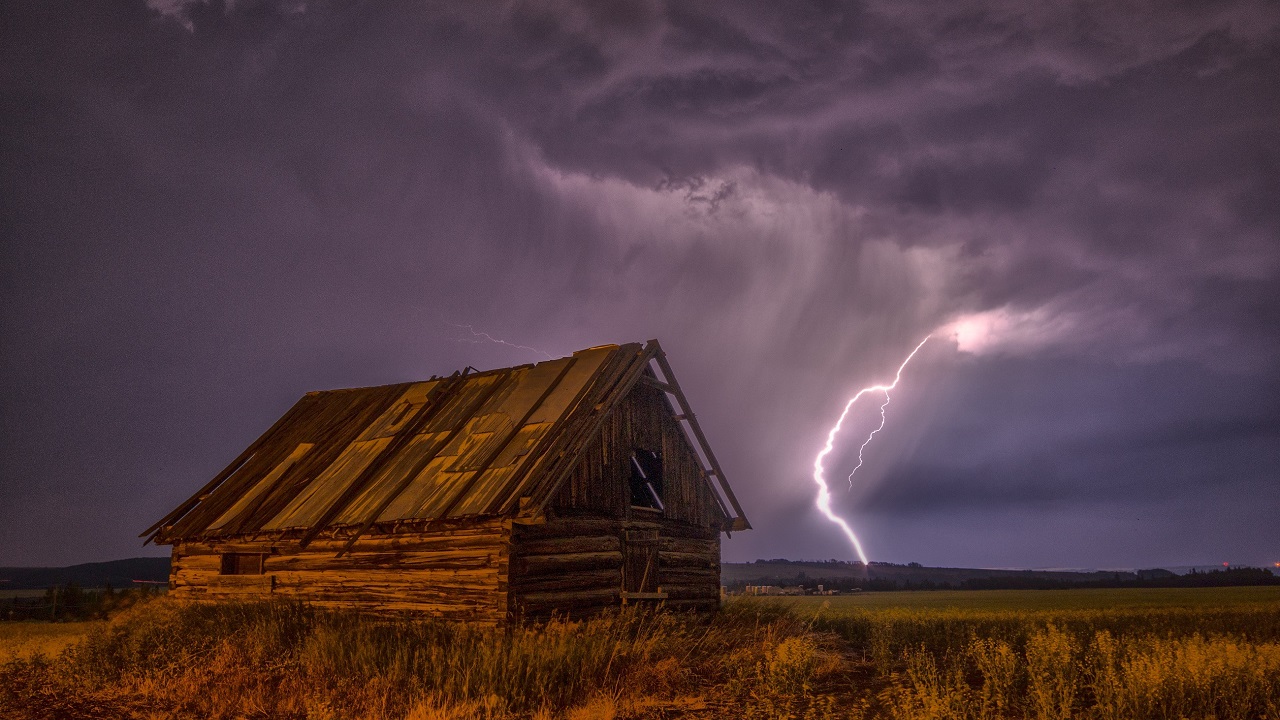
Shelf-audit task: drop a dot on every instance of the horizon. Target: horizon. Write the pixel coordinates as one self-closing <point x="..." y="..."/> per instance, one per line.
<point x="1272" y="568"/>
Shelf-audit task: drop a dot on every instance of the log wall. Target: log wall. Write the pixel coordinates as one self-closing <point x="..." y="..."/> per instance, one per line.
<point x="456" y="573"/>
<point x="572" y="565"/>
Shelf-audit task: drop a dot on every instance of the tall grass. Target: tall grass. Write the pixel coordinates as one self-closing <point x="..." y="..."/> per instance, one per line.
<point x="754" y="659"/>
<point x="1058" y="677"/>
<point x="1129" y="660"/>
<point x="281" y="659"/>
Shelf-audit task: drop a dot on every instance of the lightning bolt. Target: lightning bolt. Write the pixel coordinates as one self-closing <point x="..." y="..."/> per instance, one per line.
<point x="867" y="442"/>
<point x="480" y="337"/>
<point x="824" y="492"/>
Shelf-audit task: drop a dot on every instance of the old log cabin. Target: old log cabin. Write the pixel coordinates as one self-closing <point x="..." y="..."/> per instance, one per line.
<point x="559" y="487"/>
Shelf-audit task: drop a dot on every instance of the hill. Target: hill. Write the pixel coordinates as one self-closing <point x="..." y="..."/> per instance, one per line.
<point x="117" y="573"/>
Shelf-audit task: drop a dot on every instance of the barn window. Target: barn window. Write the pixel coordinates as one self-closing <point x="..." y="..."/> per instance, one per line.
<point x="241" y="563"/>
<point x="646" y="479"/>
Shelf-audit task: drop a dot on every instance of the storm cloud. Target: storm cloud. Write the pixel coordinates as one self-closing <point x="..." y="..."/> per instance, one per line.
<point x="210" y="209"/>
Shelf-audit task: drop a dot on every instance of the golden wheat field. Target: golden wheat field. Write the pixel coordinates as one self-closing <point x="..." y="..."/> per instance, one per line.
<point x="1203" y="653"/>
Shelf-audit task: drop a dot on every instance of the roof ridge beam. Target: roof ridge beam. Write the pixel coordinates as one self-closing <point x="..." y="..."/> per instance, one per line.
<point x="740" y="522"/>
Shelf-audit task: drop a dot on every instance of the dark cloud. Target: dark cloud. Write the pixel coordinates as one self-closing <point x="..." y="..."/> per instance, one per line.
<point x="212" y="208"/>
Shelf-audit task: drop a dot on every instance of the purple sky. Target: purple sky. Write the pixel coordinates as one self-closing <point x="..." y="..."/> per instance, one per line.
<point x="207" y="211"/>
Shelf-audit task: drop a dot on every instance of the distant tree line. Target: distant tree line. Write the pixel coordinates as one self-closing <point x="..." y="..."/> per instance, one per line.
<point x="71" y="602"/>
<point x="1232" y="577"/>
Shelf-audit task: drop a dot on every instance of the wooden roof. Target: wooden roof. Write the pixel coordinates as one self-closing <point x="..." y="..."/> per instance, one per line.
<point x="482" y="444"/>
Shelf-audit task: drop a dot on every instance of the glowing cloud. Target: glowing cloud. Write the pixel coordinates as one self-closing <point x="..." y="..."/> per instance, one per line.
<point x="1009" y="331"/>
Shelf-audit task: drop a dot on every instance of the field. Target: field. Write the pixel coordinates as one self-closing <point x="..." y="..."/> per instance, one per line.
<point x="27" y="639"/>
<point x="1172" y="653"/>
<point x="978" y="601"/>
<point x="1132" y="653"/>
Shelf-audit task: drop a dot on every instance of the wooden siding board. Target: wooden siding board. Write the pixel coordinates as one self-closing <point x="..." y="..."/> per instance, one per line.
<point x="573" y="563"/>
<point x="450" y="573"/>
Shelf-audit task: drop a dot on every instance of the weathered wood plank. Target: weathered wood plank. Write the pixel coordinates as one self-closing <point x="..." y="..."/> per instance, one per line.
<point x="608" y="579"/>
<point x="544" y="602"/>
<point x="692" y="560"/>
<point x="567" y="544"/>
<point x="407" y="562"/>
<point x="567" y="563"/>
<point x="704" y="578"/>
<point x="568" y="526"/>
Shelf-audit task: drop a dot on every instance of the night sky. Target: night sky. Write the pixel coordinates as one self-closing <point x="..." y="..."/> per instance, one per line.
<point x="208" y="210"/>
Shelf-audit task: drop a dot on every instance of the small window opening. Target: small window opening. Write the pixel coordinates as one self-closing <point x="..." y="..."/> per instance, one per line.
<point x="241" y="563"/>
<point x="646" y="480"/>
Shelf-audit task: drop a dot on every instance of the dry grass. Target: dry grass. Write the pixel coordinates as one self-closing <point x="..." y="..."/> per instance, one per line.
<point x="754" y="659"/>
<point x="1109" y="654"/>
<point x="169" y="659"/>
<point x="24" y="640"/>
<point x="1058" y="677"/>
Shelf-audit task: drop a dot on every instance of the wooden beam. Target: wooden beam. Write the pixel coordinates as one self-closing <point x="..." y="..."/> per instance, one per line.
<point x="740" y="522"/>
<point x="655" y="382"/>
<point x="628" y="595"/>
<point x="503" y="502"/>
<point x="569" y="440"/>
<point x="333" y="410"/>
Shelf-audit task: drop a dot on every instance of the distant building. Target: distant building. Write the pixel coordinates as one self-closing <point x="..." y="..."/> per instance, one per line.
<point x="563" y="486"/>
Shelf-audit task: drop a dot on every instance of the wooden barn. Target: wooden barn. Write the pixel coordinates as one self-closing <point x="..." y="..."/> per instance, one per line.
<point x="559" y="487"/>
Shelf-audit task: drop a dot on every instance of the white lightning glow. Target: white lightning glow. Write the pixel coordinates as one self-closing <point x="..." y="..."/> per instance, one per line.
<point x="824" y="492"/>
<point x="478" y="336"/>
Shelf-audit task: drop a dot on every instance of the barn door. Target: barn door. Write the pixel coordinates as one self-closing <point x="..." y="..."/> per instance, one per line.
<point x="640" y="565"/>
